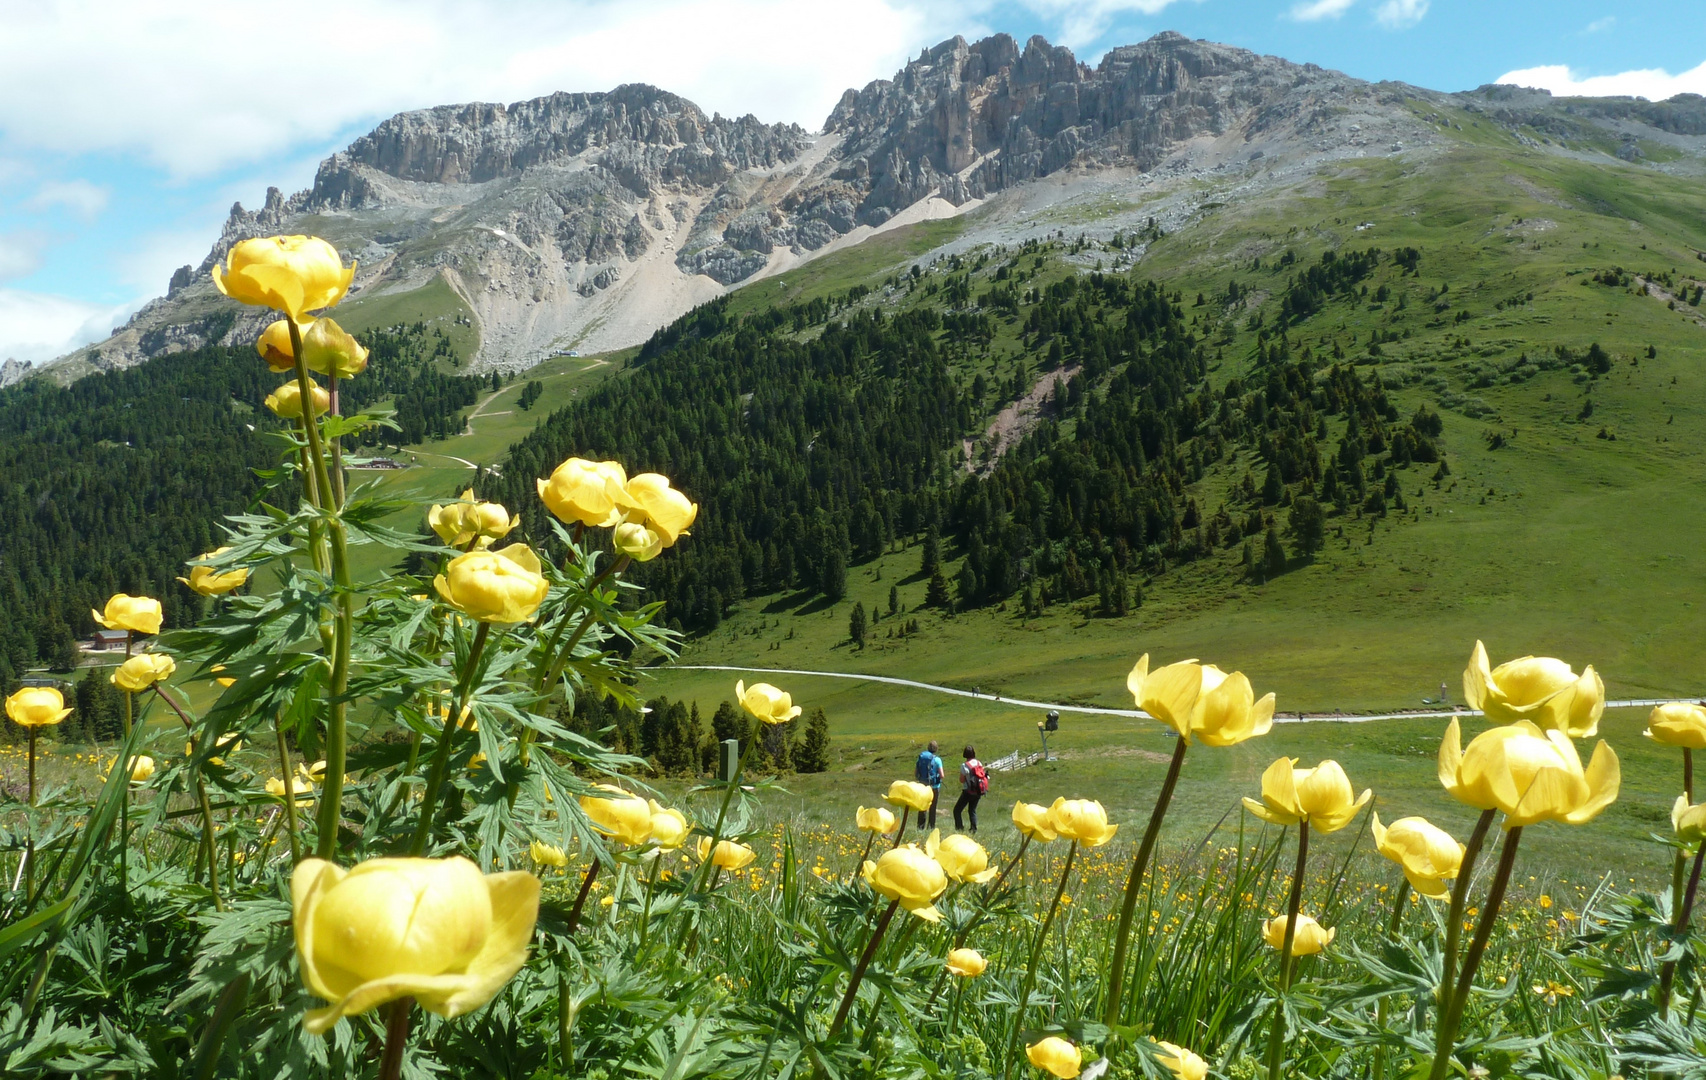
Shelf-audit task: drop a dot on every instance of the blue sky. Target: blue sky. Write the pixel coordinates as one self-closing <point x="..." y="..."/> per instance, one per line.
<point x="127" y="130"/>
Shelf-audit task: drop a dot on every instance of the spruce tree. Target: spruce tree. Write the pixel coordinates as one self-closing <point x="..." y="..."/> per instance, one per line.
<point x="894" y="600"/>
<point x="932" y="556"/>
<point x="1273" y="553"/>
<point x="856" y="625"/>
<point x="835" y="574"/>
<point x="936" y="593"/>
<point x="812" y="753"/>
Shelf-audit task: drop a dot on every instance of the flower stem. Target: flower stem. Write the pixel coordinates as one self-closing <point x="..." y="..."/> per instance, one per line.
<point x="580" y="897"/>
<point x="1445" y="1041"/>
<point x="651" y="887"/>
<point x="289" y="791"/>
<point x="1679" y="864"/>
<point x="1018" y="857"/>
<point x="1036" y="954"/>
<point x="559" y="658"/>
<point x="1683" y="914"/>
<point x="396" y="1037"/>
<point x="905" y="818"/>
<point x="30" y="845"/>
<point x="859" y="864"/>
<point x="1392" y="925"/>
<point x="1134" y="884"/>
<point x="212" y="848"/>
<point x="1293" y="907"/>
<point x="441" y="756"/>
<point x="859" y="970"/>
<point x="1460" y="900"/>
<point x="706" y="864"/>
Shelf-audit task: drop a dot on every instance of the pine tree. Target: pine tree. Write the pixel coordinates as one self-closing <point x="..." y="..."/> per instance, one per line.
<point x="856" y="625"/>
<point x="1308" y="525"/>
<point x="835" y="574"/>
<point x="932" y="557"/>
<point x="812" y="753"/>
<point x="894" y="600"/>
<point x="1273" y="553"/>
<point x="936" y="593"/>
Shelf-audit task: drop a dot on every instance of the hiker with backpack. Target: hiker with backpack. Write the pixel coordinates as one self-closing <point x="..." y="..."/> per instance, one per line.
<point x="974" y="785"/>
<point x="928" y="771"/>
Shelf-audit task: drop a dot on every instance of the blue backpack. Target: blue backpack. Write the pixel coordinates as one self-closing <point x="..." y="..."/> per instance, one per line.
<point x="928" y="770"/>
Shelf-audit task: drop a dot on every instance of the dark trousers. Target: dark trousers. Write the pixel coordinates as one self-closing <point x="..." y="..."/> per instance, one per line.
<point x="968" y="803"/>
<point x="935" y="797"/>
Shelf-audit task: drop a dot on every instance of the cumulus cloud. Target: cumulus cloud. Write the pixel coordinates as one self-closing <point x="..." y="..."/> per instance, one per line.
<point x="205" y="87"/>
<point x="1316" y="10"/>
<point x="1654" y="84"/>
<point x="40" y="326"/>
<point x="20" y="254"/>
<point x="1600" y="24"/>
<point x="1400" y="14"/>
<point x="80" y="197"/>
<point x="1083" y="22"/>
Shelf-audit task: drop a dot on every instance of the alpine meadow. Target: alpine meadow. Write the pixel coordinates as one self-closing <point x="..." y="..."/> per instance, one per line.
<point x="515" y="609"/>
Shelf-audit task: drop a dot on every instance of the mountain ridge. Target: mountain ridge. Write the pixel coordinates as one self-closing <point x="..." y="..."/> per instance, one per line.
<point x="587" y="220"/>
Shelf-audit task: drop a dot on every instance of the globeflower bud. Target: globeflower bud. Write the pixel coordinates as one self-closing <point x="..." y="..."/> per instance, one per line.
<point x="1428" y="855"/>
<point x="876" y="819"/>
<point x="37" y="706"/>
<point x="142" y="671"/>
<point x="910" y="793"/>
<point x="292" y="274"/>
<point x="286" y="401"/>
<point x="666" y="510"/>
<point x="547" y="854"/>
<point x="1309" y="939"/>
<point x="275" y="346"/>
<point x="141" y="768"/>
<point x="1183" y="1064"/>
<point x="436" y="930"/>
<point x="620" y="815"/>
<point x="966" y="963"/>
<point x="327" y="349"/>
<point x="1689" y="822"/>
<point x="138" y="614"/>
<point x="210" y="582"/>
<point x="909" y="876"/>
<point x="729" y="855"/>
<point x="637" y="542"/>
<point x="1081" y="820"/>
<point x="494" y="586"/>
<point x="669" y="826"/>
<point x="1322" y="796"/>
<point x="1678" y="724"/>
<point x="1055" y="1056"/>
<point x="767" y="703"/>
<point x="593" y="493"/>
<point x="1033" y="821"/>
<point x="283" y="788"/>
<point x="469" y="519"/>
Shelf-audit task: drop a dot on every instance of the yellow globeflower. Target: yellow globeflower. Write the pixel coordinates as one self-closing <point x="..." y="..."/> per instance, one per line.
<point x="637" y="541"/>
<point x="1183" y="1064"/>
<point x="139" y="614"/>
<point x="1688" y="821"/>
<point x="1309" y="939"/>
<point x="436" y="930"/>
<point x="876" y="819"/>
<point x="910" y="876"/>
<point x="311" y="774"/>
<point x="141" y="768"/>
<point x="1539" y="689"/>
<point x="275" y="347"/>
<point x="469" y="518"/>
<point x="961" y="857"/>
<point x="1529" y="774"/>
<point x="669" y="826"/>
<point x="764" y="701"/>
<point x="910" y="793"/>
<point x="547" y="854"/>
<point x="1201" y="700"/>
<point x="666" y="510"/>
<point x="1056" y="1056"/>
<point x="1083" y="820"/>
<point x="1321" y="796"/>
<point x="1033" y="821"/>
<point x="593" y="493"/>
<point x="286" y="401"/>
<point x="728" y="856"/>
<point x="620" y="815"/>
<point x="1428" y="855"/>
<point x="142" y="671"/>
<point x="37" y="706"/>
<point x="292" y="274"/>
<point x="1678" y="724"/>
<point x="210" y="582"/>
<point x="327" y="349"/>
<point x="966" y="963"/>
<point x="303" y="791"/>
<point x="503" y="586"/>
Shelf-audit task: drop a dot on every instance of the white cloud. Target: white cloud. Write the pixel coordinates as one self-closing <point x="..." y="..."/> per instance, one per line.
<point x="198" y="88"/>
<point x="1654" y="84"/>
<point x="1083" y="22"/>
<point x="20" y="254"/>
<point x="1316" y="10"/>
<point x="78" y="196"/>
<point x="40" y="326"/>
<point x="1401" y="14"/>
<point x="1599" y="25"/>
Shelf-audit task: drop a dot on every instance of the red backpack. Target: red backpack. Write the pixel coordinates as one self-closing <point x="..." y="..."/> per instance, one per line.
<point x="979" y="777"/>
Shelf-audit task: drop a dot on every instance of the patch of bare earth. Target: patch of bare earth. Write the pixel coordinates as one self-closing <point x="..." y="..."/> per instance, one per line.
<point x="1011" y="424"/>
